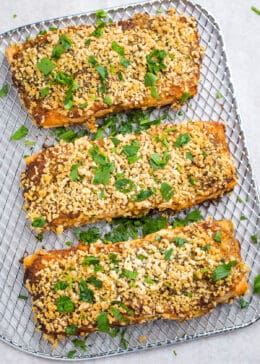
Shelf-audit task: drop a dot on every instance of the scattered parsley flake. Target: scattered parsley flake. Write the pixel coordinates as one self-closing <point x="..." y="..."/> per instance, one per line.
<point x="182" y="140"/>
<point x="102" y="322"/>
<point x="20" y="133"/>
<point x="143" y="195"/>
<point x="86" y="294"/>
<point x="242" y="218"/>
<point x="39" y="222"/>
<point x="168" y="254"/>
<point x="128" y="274"/>
<point x="71" y="354"/>
<point x="180" y="241"/>
<point x="243" y="303"/>
<point x="80" y="344"/>
<point x="60" y="285"/>
<point x="184" y="97"/>
<point x="254" y="238"/>
<point x="22" y="297"/>
<point x="89" y="236"/>
<point x="189" y="156"/>
<point x="218" y="95"/>
<point x="74" y="174"/>
<point x="46" y="66"/>
<point x="44" y="92"/>
<point x="90" y="260"/>
<point x="223" y="270"/>
<point x="71" y="329"/>
<point x="3" y="90"/>
<point x="257" y="284"/>
<point x="64" y="304"/>
<point x="166" y="191"/>
<point x="192" y="216"/>
<point x="217" y="236"/>
<point x="257" y="11"/>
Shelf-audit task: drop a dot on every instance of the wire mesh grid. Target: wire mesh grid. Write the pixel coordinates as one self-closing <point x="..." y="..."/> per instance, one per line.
<point x="16" y="238"/>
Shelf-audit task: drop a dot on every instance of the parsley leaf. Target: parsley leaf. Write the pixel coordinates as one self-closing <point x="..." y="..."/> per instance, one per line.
<point x="130" y="151"/>
<point x="143" y="195"/>
<point x="150" y="79"/>
<point x="68" y="135"/>
<point x="154" y="93"/>
<point x="157" y="161"/>
<point x="189" y="156"/>
<point x="71" y="354"/>
<point x="166" y="191"/>
<point x="155" y="61"/>
<point x="124" y="185"/>
<point x="64" y="304"/>
<point x="20" y="133"/>
<point x="148" y="280"/>
<point x="243" y="303"/>
<point x="46" y="66"/>
<point x="151" y="225"/>
<point x="86" y="294"/>
<point x="123" y="340"/>
<point x="257" y="284"/>
<point x="223" y="270"/>
<point x="89" y="236"/>
<point x="168" y="254"/>
<point x="107" y="100"/>
<point x="180" y="241"/>
<point x="254" y="238"/>
<point x="80" y="344"/>
<point x="102" y="71"/>
<point x="90" y="260"/>
<point x="74" y="174"/>
<point x="192" y="216"/>
<point x="39" y="222"/>
<point x="57" y="51"/>
<point x="218" y="95"/>
<point x="102" y="322"/>
<point x="206" y="247"/>
<point x="184" y="97"/>
<point x="182" y="140"/>
<point x="22" y="297"/>
<point x="128" y="274"/>
<point x="117" y="48"/>
<point x="217" y="236"/>
<point x="116" y="313"/>
<point x="60" y="285"/>
<point x="66" y="42"/>
<point x="257" y="11"/>
<point x="103" y="173"/>
<point x="3" y="91"/>
<point x="95" y="281"/>
<point x="71" y="329"/>
<point x="44" y="92"/>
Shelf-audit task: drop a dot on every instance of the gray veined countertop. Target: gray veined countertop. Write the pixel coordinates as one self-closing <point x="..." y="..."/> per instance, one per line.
<point x="240" y="28"/>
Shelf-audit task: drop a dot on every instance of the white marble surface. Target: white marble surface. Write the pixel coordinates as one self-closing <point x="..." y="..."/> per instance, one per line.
<point x="241" y="28"/>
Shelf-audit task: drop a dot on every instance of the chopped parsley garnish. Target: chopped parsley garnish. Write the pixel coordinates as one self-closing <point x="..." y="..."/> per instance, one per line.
<point x="154" y="93"/>
<point x="28" y="142"/>
<point x="83" y="106"/>
<point x="123" y="340"/>
<point x="80" y="344"/>
<point x="100" y="24"/>
<point x="39" y="222"/>
<point x="184" y="97"/>
<point x="97" y="157"/>
<point x="88" y="236"/>
<point x="166" y="191"/>
<point x="86" y="294"/>
<point x="155" y="61"/>
<point x="217" y="236"/>
<point x="103" y="173"/>
<point x="62" y="78"/>
<point x="243" y="303"/>
<point x="254" y="238"/>
<point x="113" y="258"/>
<point x="20" y="133"/>
<point x="44" y="92"/>
<point x="74" y="174"/>
<point x="42" y="32"/>
<point x="257" y="284"/>
<point x="22" y="297"/>
<point x="68" y="243"/>
<point x="65" y="41"/>
<point x="90" y="260"/>
<point x="71" y="354"/>
<point x="95" y="281"/>
<point x="182" y="140"/>
<point x="64" y="304"/>
<point x="192" y="216"/>
<point x="68" y="135"/>
<point x="107" y="100"/>
<point x="150" y="79"/>
<point x="206" y="247"/>
<point x="149" y="280"/>
<point x="223" y="270"/>
<point x="218" y="95"/>
<point x="192" y="181"/>
<point x="120" y="76"/>
<point x="141" y="257"/>
<point x="102" y="71"/>
<point x="102" y="322"/>
<point x="168" y="254"/>
<point x="46" y="66"/>
<point x="130" y="151"/>
<point x="257" y="11"/>
<point x="115" y="141"/>
<point x="157" y="161"/>
<point x="71" y="329"/>
<point x="4" y="90"/>
<point x="60" y="285"/>
<point x="239" y="199"/>
<point x="151" y="225"/>
<point x="57" y="51"/>
<point x="87" y="42"/>
<point x="128" y="274"/>
<point x="116" y="313"/>
<point x="189" y="156"/>
<point x="124" y="185"/>
<point x="143" y="195"/>
<point x="242" y="218"/>
<point x="120" y="50"/>
<point x="180" y="241"/>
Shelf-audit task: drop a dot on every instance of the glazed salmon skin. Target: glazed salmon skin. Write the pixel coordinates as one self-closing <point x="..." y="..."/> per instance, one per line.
<point x="80" y="73"/>
<point x="167" y="167"/>
<point x="174" y="274"/>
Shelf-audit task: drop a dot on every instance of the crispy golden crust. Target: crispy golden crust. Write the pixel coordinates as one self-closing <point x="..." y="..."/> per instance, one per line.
<point x="177" y="35"/>
<point x="198" y="170"/>
<point x="172" y="279"/>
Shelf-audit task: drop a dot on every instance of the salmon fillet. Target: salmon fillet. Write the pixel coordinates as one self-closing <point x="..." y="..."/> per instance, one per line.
<point x="167" y="167"/>
<point x="174" y="274"/>
<point x="80" y="73"/>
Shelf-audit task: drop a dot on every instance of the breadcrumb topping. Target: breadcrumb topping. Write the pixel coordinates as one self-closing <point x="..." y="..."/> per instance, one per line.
<point x="168" y="166"/>
<point x="106" y="77"/>
<point x="168" y="274"/>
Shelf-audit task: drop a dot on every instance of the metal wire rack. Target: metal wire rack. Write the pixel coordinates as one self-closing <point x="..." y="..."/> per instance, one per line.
<point x="16" y="238"/>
